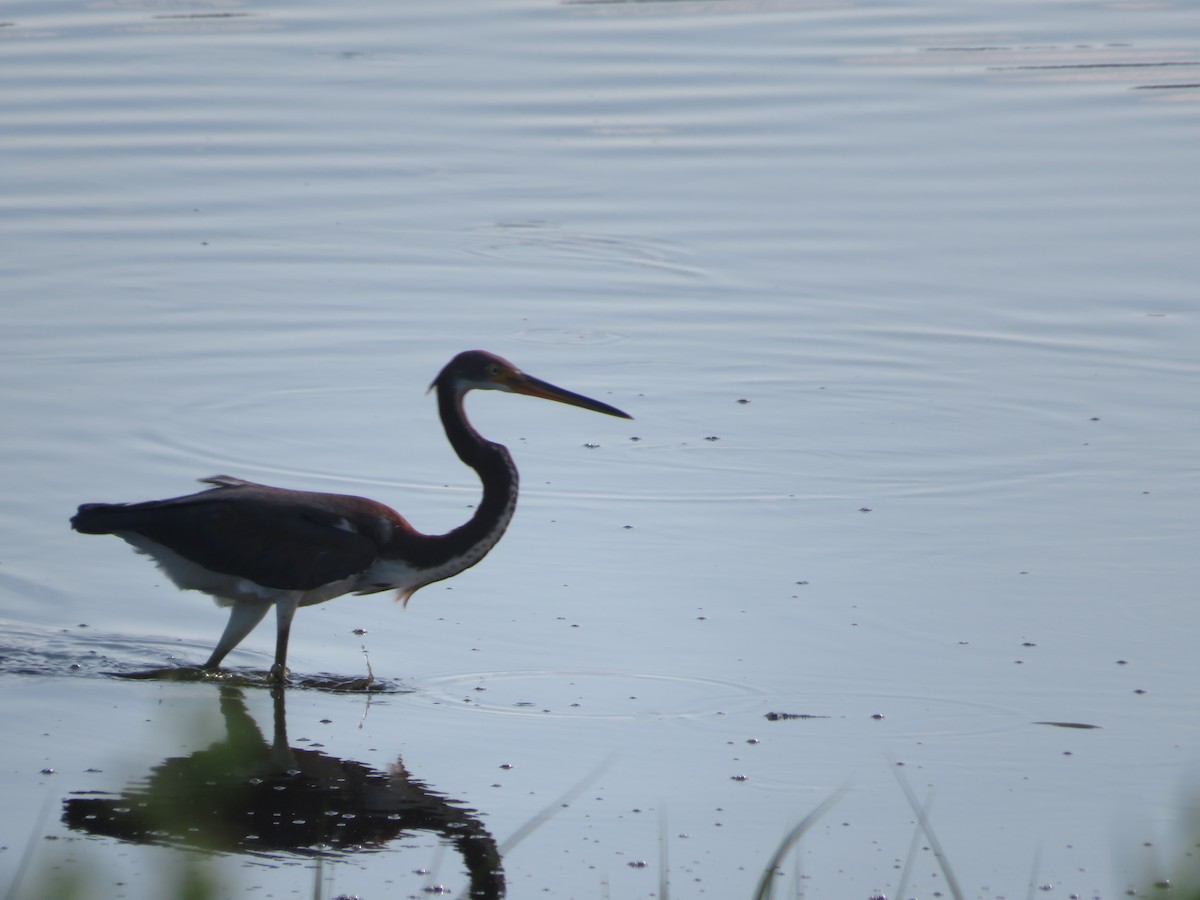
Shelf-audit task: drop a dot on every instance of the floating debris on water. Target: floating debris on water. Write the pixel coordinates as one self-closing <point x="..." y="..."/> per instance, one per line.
<point x="780" y="716"/>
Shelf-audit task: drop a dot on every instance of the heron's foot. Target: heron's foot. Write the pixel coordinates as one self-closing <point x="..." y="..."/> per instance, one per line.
<point x="278" y="674"/>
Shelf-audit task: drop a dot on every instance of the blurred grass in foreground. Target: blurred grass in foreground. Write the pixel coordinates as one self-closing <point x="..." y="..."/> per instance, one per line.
<point x="191" y="878"/>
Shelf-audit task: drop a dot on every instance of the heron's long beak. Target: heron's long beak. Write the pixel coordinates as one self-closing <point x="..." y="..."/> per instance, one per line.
<point x="520" y="383"/>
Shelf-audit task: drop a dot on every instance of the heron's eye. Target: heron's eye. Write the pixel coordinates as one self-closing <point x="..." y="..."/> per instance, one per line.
<point x="493" y="370"/>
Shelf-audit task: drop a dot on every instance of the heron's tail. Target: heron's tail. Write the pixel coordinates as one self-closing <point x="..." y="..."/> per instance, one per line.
<point x="102" y="518"/>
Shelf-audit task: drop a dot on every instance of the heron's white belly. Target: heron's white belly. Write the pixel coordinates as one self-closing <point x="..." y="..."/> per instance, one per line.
<point x="228" y="589"/>
<point x="389" y="574"/>
<point x="393" y="574"/>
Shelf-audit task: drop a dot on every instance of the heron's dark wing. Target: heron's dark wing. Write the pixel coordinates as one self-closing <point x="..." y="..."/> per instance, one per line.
<point x="292" y="540"/>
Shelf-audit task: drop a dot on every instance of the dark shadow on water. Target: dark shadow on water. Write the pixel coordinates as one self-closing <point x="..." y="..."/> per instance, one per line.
<point x="252" y="678"/>
<point x="244" y="794"/>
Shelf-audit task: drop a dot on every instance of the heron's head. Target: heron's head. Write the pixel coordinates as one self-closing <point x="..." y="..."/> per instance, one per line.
<point x="480" y="370"/>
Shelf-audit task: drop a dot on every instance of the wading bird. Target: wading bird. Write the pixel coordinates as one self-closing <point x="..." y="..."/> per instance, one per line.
<point x="251" y="546"/>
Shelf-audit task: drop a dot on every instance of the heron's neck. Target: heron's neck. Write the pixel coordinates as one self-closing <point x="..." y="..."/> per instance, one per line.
<point x="496" y="471"/>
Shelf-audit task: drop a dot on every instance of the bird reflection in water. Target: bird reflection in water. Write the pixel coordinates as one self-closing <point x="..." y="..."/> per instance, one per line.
<point x="245" y="794"/>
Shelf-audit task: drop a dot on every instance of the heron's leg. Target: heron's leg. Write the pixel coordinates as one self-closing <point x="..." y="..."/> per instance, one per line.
<point x="243" y="616"/>
<point x="285" y="609"/>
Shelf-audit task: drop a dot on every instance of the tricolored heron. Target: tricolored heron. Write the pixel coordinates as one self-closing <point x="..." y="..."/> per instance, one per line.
<point x="251" y="546"/>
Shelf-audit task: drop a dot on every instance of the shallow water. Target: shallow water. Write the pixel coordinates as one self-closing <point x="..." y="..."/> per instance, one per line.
<point x="902" y="299"/>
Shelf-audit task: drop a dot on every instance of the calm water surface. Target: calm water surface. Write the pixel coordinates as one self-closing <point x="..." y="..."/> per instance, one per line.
<point x="902" y="298"/>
